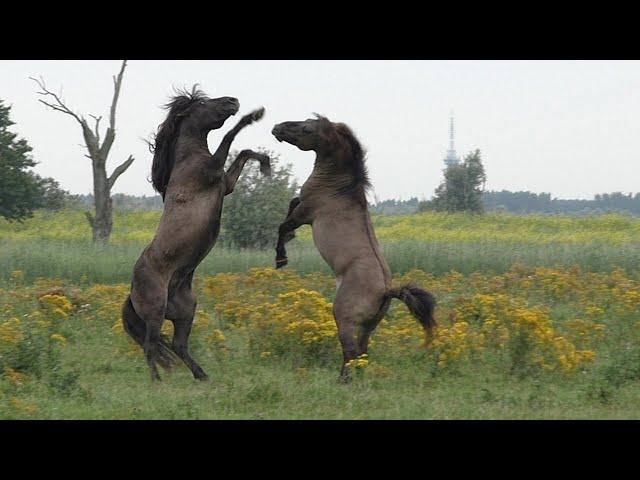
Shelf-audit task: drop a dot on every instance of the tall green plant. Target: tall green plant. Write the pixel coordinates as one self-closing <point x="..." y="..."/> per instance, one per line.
<point x="257" y="206"/>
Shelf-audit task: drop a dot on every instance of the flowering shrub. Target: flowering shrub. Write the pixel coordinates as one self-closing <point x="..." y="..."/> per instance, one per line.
<point x="298" y="324"/>
<point x="31" y="338"/>
<point x="527" y="320"/>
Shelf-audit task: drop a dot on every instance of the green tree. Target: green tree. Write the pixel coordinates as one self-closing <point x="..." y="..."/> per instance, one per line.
<point x="20" y="188"/>
<point x="258" y="204"/>
<point x="53" y="197"/>
<point x="462" y="187"/>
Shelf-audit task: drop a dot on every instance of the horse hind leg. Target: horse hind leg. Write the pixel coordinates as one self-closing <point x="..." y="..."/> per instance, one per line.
<point x="153" y="316"/>
<point x="347" y="323"/>
<point x="149" y="303"/>
<point x="366" y="329"/>
<point x="357" y="308"/>
<point x="181" y="311"/>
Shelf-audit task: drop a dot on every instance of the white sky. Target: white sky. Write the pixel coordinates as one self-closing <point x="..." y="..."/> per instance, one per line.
<point x="565" y="127"/>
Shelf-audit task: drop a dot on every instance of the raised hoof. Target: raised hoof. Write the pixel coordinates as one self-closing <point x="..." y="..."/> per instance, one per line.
<point x="257" y="114"/>
<point x="265" y="166"/>
<point x="281" y="262"/>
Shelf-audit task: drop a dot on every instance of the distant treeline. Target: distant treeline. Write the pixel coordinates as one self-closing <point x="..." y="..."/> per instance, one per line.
<point x="120" y="201"/>
<point x="395" y="207"/>
<point x="528" y="202"/>
<point x="503" y="201"/>
<point x="131" y="202"/>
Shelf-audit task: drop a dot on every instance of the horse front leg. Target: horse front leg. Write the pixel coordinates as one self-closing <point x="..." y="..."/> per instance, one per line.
<point x="298" y="215"/>
<point x="290" y="235"/>
<point x="222" y="152"/>
<point x="233" y="172"/>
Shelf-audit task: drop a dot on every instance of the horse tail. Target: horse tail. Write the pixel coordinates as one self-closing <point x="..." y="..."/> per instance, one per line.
<point x="137" y="329"/>
<point x="421" y="304"/>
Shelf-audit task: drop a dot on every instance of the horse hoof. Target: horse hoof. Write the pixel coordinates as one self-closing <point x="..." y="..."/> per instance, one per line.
<point x="281" y="262"/>
<point x="257" y="114"/>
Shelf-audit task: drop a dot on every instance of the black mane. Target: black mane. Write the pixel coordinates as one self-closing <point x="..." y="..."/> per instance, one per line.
<point x="164" y="142"/>
<point x="358" y="187"/>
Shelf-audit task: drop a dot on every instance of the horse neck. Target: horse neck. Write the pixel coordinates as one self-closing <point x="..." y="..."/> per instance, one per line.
<point x="191" y="140"/>
<point x="330" y="173"/>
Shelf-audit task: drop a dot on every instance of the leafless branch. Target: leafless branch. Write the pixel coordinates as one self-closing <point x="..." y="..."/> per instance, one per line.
<point x="111" y="130"/>
<point x="117" y="82"/>
<point x="120" y="169"/>
<point x="97" y="119"/>
<point x="59" y="103"/>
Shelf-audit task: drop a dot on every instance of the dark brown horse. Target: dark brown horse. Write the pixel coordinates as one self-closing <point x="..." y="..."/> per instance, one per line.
<point x="193" y="184"/>
<point x="333" y="201"/>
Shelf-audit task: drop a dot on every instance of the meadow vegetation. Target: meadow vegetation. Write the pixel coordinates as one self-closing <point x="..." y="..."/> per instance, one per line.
<point x="539" y="317"/>
<point x="59" y="244"/>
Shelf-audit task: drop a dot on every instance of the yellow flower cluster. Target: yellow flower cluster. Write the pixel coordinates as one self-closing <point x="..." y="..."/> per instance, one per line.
<point x="454" y="342"/>
<point x="296" y="323"/>
<point x="279" y="317"/>
<point x="30" y="335"/>
<point x="56" y="304"/>
<point x="554" y="319"/>
<point x="509" y="316"/>
<point x="502" y="322"/>
<point x="10" y="331"/>
<point x="359" y="363"/>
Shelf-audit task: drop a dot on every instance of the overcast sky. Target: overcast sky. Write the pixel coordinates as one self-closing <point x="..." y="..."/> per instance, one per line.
<point x="566" y="127"/>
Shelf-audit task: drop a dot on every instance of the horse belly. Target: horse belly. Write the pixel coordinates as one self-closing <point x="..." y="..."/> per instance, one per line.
<point x="188" y="232"/>
<point x="338" y="245"/>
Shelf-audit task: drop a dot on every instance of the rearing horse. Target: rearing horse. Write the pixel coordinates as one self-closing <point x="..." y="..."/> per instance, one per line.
<point x="193" y="184"/>
<point x="333" y="202"/>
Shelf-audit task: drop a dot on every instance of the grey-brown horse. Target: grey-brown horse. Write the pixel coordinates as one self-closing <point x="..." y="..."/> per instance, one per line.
<point x="193" y="184"/>
<point x="333" y="202"/>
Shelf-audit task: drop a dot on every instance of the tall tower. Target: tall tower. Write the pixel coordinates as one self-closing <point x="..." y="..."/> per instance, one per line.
<point x="452" y="157"/>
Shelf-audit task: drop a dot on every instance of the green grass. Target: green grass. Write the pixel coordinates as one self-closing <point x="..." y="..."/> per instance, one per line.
<point x="77" y="261"/>
<point x="57" y="244"/>
<point x="93" y="380"/>
<point x="109" y="386"/>
<point x="139" y="227"/>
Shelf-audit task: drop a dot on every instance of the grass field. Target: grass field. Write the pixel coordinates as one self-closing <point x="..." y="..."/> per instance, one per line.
<point x="58" y="244"/>
<point x="539" y="317"/>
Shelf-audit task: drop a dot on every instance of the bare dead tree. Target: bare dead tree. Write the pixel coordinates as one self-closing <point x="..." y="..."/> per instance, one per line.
<point x="102" y="223"/>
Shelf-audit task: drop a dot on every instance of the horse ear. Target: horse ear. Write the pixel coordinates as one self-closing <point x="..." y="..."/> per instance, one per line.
<point x="321" y="118"/>
<point x="326" y="127"/>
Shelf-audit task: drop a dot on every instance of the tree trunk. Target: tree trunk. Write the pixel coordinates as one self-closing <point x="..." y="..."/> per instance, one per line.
<point x="103" y="221"/>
